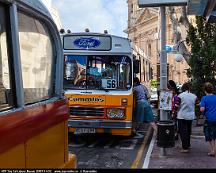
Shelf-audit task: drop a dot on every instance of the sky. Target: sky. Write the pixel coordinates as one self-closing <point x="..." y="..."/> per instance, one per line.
<point x="97" y="15"/>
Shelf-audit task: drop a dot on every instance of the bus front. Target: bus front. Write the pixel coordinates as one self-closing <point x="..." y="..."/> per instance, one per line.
<point x="98" y="83"/>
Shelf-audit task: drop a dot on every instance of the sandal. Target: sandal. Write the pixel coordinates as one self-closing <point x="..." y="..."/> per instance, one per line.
<point x="184" y="151"/>
<point x="211" y="154"/>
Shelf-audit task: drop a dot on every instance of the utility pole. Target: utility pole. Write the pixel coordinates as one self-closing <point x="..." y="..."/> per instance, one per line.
<point x="163" y="64"/>
<point x="163" y="54"/>
<point x="163" y="57"/>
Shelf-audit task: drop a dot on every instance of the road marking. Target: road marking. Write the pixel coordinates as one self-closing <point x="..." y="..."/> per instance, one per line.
<point x="148" y="155"/>
<point x="141" y="149"/>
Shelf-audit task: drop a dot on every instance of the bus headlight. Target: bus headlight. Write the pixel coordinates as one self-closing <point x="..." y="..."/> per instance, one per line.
<point x="117" y="113"/>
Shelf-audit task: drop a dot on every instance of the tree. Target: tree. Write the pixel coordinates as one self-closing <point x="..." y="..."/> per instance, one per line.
<point x="202" y="40"/>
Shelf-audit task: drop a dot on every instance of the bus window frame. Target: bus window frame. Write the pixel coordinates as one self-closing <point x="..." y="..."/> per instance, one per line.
<point x="11" y="71"/>
<point x="57" y="77"/>
<point x="95" y="54"/>
<point x="15" y="61"/>
<point x="51" y="89"/>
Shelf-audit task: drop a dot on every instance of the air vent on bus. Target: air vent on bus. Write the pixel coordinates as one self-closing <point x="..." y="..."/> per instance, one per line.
<point x="82" y="111"/>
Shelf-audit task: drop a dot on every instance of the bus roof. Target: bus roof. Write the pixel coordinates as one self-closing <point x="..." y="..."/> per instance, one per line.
<point x="35" y="4"/>
<point x="118" y="44"/>
<point x="94" y="34"/>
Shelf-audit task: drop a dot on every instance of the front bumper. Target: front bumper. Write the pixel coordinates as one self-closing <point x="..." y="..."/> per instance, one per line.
<point x="99" y="124"/>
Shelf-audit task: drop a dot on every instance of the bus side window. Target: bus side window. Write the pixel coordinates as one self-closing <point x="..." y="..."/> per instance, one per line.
<point x="37" y="59"/>
<point x="6" y="97"/>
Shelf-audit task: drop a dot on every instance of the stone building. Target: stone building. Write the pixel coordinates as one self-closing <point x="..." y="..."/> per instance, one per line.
<point x="54" y="12"/>
<point x="144" y="32"/>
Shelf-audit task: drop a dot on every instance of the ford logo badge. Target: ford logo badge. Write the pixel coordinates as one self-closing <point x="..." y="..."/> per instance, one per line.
<point x="87" y="43"/>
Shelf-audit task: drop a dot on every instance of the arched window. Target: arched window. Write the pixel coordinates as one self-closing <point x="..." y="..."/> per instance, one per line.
<point x="131" y="10"/>
<point x="149" y="50"/>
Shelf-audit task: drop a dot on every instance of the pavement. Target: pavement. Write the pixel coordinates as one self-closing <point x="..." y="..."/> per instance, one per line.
<point x="197" y="158"/>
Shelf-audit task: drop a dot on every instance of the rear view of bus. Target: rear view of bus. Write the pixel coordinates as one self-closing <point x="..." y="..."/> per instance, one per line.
<point x="33" y="110"/>
<point x="98" y="83"/>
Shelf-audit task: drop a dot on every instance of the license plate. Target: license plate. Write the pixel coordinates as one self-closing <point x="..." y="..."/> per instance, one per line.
<point x="84" y="130"/>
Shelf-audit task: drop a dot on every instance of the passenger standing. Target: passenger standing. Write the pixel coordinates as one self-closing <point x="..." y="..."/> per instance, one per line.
<point x="208" y="107"/>
<point x="172" y="86"/>
<point x="143" y="111"/>
<point x="185" y="115"/>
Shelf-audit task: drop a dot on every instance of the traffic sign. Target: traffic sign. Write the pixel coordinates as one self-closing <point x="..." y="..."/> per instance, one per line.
<point x="169" y="48"/>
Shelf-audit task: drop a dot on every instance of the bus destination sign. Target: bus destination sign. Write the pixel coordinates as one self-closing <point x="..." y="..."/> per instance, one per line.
<point x="87" y="42"/>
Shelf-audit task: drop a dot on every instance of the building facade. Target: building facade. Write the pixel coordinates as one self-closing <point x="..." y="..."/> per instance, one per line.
<point x="144" y="32"/>
<point x="54" y="12"/>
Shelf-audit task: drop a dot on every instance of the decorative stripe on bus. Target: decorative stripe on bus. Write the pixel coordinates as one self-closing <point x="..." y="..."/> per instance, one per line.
<point x="18" y="127"/>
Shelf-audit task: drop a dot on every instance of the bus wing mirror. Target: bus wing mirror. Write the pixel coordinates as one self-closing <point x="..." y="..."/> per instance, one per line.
<point x="136" y="66"/>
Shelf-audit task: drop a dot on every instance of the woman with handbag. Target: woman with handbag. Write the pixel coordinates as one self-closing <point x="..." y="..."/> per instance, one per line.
<point x="143" y="111"/>
<point x="208" y="107"/>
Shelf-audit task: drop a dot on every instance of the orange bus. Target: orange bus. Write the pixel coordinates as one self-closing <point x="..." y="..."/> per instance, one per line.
<point x="33" y="110"/>
<point x="98" y="82"/>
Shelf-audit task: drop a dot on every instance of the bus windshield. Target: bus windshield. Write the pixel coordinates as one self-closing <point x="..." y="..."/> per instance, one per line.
<point x="97" y="72"/>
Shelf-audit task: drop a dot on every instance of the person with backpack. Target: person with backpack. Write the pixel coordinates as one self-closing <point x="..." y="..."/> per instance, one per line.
<point x="175" y="104"/>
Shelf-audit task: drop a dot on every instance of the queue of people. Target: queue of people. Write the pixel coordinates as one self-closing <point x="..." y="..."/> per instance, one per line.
<point x="183" y="112"/>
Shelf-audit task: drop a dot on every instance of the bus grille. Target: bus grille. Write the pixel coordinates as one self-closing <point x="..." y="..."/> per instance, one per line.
<point x="82" y="111"/>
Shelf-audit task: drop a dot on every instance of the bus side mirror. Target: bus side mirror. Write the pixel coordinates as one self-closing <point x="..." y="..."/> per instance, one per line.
<point x="136" y="66"/>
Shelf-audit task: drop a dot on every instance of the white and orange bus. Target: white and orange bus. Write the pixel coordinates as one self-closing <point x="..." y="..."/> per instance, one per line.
<point x="33" y="109"/>
<point x="98" y="82"/>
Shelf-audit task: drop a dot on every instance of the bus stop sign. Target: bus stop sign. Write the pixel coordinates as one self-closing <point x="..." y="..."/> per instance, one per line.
<point x="169" y="48"/>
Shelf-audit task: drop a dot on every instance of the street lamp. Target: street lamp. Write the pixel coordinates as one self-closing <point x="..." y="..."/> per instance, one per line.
<point x="179" y="57"/>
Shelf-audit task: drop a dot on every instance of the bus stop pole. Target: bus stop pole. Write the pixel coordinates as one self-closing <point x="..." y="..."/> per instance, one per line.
<point x="163" y="64"/>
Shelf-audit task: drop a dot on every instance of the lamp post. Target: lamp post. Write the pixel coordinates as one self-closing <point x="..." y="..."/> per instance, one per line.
<point x="163" y="54"/>
<point x="163" y="64"/>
